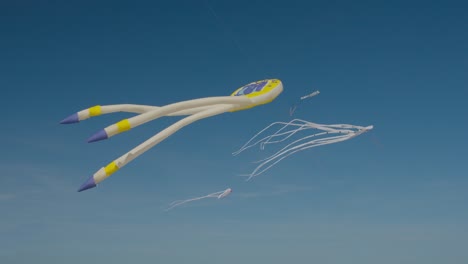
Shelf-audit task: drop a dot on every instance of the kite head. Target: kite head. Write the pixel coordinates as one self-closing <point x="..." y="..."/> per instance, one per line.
<point x="260" y="92"/>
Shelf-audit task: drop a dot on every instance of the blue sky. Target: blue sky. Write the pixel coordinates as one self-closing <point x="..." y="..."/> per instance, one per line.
<point x="394" y="195"/>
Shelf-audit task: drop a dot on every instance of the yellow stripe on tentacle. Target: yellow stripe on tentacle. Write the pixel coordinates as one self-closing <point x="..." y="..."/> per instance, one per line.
<point x="95" y="110"/>
<point x="111" y="168"/>
<point x="123" y="125"/>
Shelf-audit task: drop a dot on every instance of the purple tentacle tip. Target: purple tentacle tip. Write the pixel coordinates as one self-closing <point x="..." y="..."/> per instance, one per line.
<point x="100" y="135"/>
<point x="71" y="119"/>
<point x="90" y="183"/>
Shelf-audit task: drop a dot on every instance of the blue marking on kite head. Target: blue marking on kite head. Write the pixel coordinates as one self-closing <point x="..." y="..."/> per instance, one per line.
<point x="251" y="88"/>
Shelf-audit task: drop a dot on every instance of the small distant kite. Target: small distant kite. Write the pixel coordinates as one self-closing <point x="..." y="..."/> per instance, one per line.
<point x="248" y="96"/>
<point x="326" y="134"/>
<point x="292" y="109"/>
<point x="218" y="195"/>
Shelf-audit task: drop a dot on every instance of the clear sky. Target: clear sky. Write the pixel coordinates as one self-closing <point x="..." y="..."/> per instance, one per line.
<point x="395" y="195"/>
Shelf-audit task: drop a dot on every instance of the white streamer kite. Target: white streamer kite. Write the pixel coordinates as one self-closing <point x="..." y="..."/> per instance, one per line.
<point x="247" y="96"/>
<point x="327" y="134"/>
<point x="218" y="195"/>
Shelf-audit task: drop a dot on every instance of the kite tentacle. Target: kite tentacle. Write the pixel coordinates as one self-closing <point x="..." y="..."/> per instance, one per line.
<point x="117" y="164"/>
<point x="246" y="145"/>
<point x="289" y="152"/>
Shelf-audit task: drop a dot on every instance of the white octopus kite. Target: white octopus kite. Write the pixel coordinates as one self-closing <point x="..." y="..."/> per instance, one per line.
<point x="248" y="96"/>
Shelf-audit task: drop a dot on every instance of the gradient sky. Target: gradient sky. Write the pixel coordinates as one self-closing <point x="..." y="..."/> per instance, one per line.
<point x="395" y="195"/>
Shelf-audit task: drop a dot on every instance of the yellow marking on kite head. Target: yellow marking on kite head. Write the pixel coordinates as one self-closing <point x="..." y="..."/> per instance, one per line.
<point x="260" y="92"/>
<point x="95" y="110"/>
<point x="111" y="168"/>
<point x="123" y="125"/>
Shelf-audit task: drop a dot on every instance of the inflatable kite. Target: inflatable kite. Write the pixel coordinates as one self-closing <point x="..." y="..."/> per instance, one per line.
<point x="248" y="96"/>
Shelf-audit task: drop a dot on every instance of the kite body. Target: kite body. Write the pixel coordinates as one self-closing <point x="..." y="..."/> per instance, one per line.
<point x="247" y="96"/>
